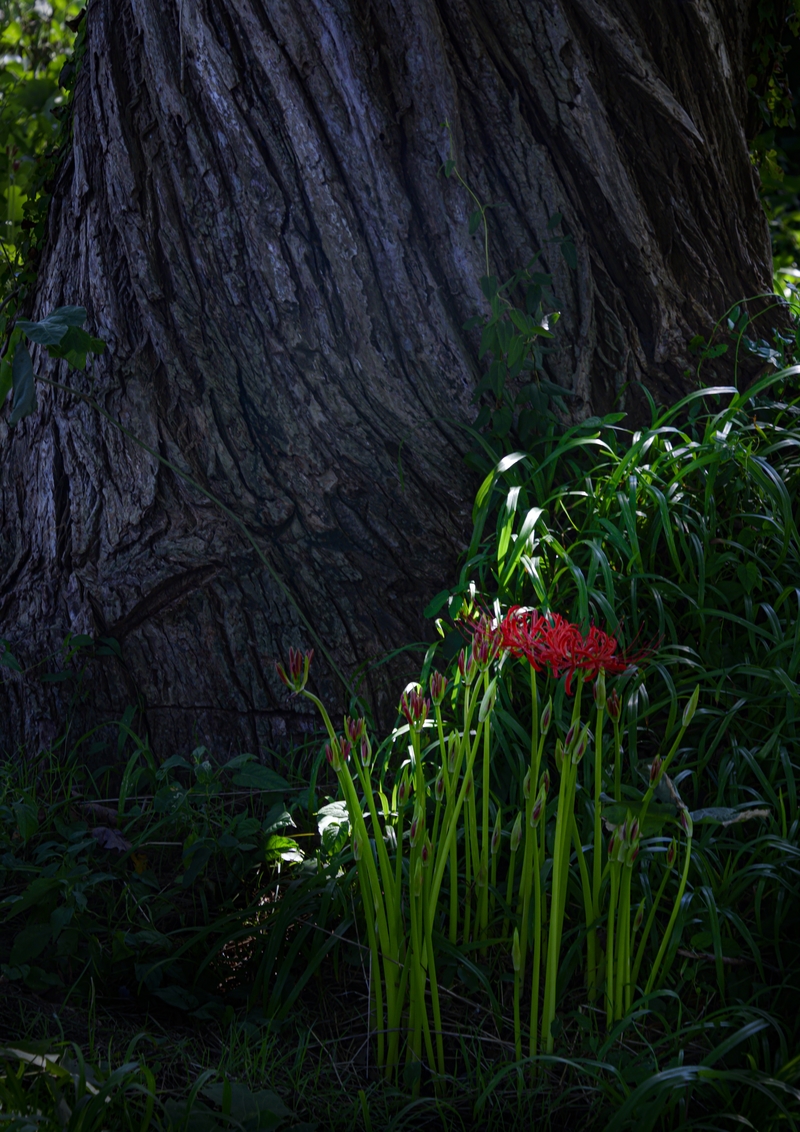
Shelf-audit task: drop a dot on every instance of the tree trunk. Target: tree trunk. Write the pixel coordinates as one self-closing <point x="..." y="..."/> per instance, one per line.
<point x="253" y="215"/>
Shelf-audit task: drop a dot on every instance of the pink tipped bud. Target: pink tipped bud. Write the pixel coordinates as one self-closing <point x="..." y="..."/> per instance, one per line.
<point x="438" y="686"/>
<point x="452" y="752"/>
<point x="516" y="833"/>
<point x="467" y="666"/>
<point x="613" y="706"/>
<point x="537" y="810"/>
<point x="559" y="755"/>
<point x="354" y="729"/>
<point x="439" y="787"/>
<point x="333" y="753"/>
<point x="655" y="770"/>
<point x="366" y="751"/>
<point x="633" y="853"/>
<point x="580" y="746"/>
<point x="686" y="821"/>
<point x="346" y="747"/>
<point x="415" y="708"/>
<point x="570" y="737"/>
<point x="547" y="717"/>
<point x="671" y="854"/>
<point x="546" y="782"/>
<point x="633" y="835"/>
<point x="612" y="845"/>
<point x="296" y="677"/>
<point x="427" y="851"/>
<point x="637" y="923"/>
<point x="329" y="753"/>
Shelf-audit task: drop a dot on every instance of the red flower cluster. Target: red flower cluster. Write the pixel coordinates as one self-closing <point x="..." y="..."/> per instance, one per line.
<point x="559" y="645"/>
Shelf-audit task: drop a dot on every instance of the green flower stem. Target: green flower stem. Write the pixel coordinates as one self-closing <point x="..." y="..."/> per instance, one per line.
<point x="688" y="713"/>
<point x="537" y="946"/>
<point x="437" y="1015"/>
<point x="531" y="834"/>
<point x="651" y="915"/>
<point x="509" y="889"/>
<point x="375" y="962"/>
<point x="495" y="856"/>
<point x="617" y="762"/>
<point x="467" y="879"/>
<point x="442" y="748"/>
<point x="612" y="915"/>
<point x="442" y="851"/>
<point x="681" y="889"/>
<point x="482" y="922"/>
<point x="597" y="858"/>
<point x="561" y="853"/>
<point x="416" y="980"/>
<point x="383" y="856"/>
<point x="586" y="888"/>
<point x="623" y="975"/>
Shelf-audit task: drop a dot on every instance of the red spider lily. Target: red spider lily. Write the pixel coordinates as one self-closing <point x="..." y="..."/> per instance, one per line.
<point x="522" y="634"/>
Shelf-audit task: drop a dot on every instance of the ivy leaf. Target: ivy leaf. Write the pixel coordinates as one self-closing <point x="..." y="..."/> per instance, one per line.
<point x="6" y="379"/>
<point x="554" y="222"/>
<point x="24" y="388"/>
<point x="569" y="254"/>
<point x="474" y="221"/>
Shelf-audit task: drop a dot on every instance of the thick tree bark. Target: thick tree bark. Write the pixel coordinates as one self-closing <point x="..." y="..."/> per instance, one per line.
<point x="252" y="214"/>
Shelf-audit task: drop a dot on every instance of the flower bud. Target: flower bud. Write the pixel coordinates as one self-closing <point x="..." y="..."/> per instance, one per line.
<point x="296" y="677"/>
<point x="570" y="736"/>
<point x="438" y="686"/>
<point x="438" y="789"/>
<point x="417" y="824"/>
<point x="415" y="708"/>
<point x="613" y="706"/>
<point x="467" y="666"/>
<point x="559" y="756"/>
<point x="655" y="771"/>
<point x="452" y="752"/>
<point x="526" y="786"/>
<point x="427" y="850"/>
<point x="686" y="821"/>
<point x="547" y="717"/>
<point x="671" y="854"/>
<point x="637" y="923"/>
<point x="537" y="809"/>
<point x="612" y="845"/>
<point x="691" y="707"/>
<point x="581" y="743"/>
<point x="516" y="833"/>
<point x="403" y="791"/>
<point x="333" y="753"/>
<point x="516" y="957"/>
<point x="354" y="729"/>
<point x="633" y="833"/>
<point x="599" y="690"/>
<point x="546" y="782"/>
<point x="346" y="747"/>
<point x="366" y="750"/>
<point x="498" y="829"/>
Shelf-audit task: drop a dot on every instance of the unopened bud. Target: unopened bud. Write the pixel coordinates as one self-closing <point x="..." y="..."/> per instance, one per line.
<point x="516" y="957"/>
<point x="427" y="850"/>
<point x="633" y="834"/>
<point x="526" y="786"/>
<point x="467" y="666"/>
<point x="438" y="686"/>
<point x="516" y="833"/>
<point x="414" y="707"/>
<point x="439" y="786"/>
<point x="403" y="791"/>
<point x="366" y="750"/>
<point x="559" y="756"/>
<point x="537" y="810"/>
<point x="546" y="782"/>
<point x="691" y="707"/>
<point x="613" y="705"/>
<point x="671" y="854"/>
<point x="296" y="677"/>
<point x="333" y="753"/>
<point x="547" y="717"/>
<point x="655" y="770"/>
<point x="354" y="729"/>
<point x="599" y="690"/>
<point x="452" y="752"/>
<point x="346" y="747"/>
<point x="686" y="821"/>
<point x="637" y="923"/>
<point x="570" y="737"/>
<point x="580" y="746"/>
<point x="498" y="829"/>
<point x="417" y="825"/>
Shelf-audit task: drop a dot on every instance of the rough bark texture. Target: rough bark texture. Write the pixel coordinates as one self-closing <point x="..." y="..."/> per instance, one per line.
<point x="252" y="214"/>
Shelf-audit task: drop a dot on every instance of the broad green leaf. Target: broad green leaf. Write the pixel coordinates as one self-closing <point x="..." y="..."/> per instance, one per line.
<point x="48" y="332"/>
<point x="24" y="386"/>
<point x="6" y="379"/>
<point x="27" y="817"/>
<point x="30" y="943"/>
